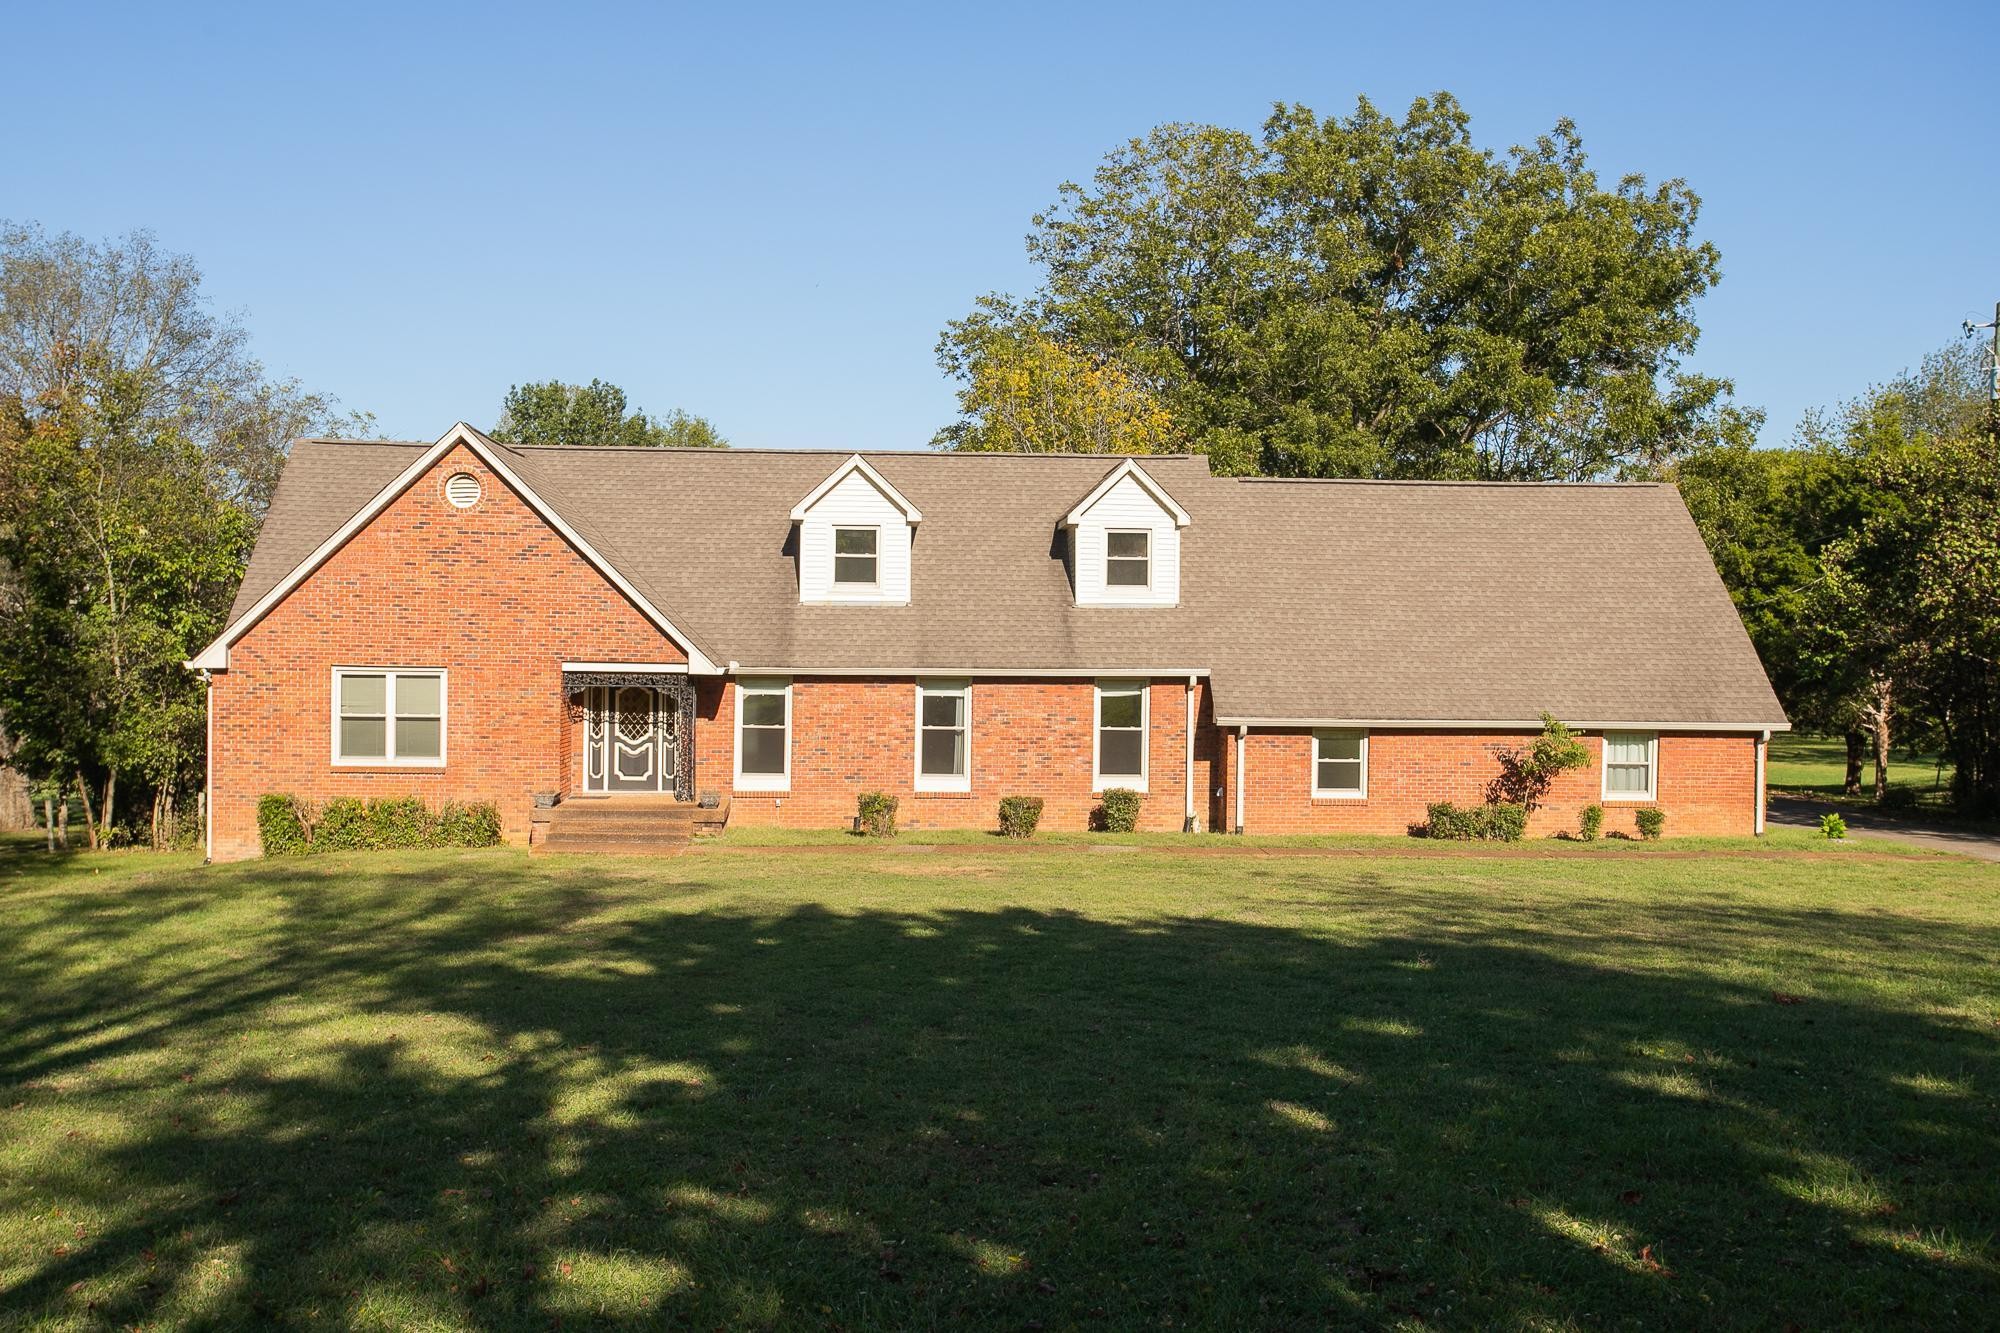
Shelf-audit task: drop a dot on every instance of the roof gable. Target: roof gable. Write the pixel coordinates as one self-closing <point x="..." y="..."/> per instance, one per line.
<point x="856" y="463"/>
<point x="1128" y="468"/>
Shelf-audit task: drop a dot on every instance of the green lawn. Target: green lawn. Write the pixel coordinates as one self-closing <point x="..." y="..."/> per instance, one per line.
<point x="1818" y="765"/>
<point x="1009" y="1089"/>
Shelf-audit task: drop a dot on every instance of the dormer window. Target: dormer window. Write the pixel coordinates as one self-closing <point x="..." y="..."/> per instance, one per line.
<point x="1128" y="559"/>
<point x="856" y="557"/>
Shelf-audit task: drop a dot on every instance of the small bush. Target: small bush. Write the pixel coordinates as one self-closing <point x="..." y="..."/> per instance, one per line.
<point x="1901" y="798"/>
<point x="343" y="826"/>
<point x="467" y="826"/>
<point x="402" y="821"/>
<point x="878" y="814"/>
<point x="1652" y="821"/>
<point x="1119" y="812"/>
<point x="1499" y="821"/>
<point x="282" y="825"/>
<point x="1832" y="825"/>
<point x="1590" y="824"/>
<point x="1019" y="815"/>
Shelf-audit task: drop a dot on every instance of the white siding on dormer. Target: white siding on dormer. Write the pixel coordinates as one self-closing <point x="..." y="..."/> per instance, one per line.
<point x="854" y="502"/>
<point x="1127" y="507"/>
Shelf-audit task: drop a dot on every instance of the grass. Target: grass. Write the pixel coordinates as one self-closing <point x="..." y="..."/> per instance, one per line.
<point x="1000" y="1089"/>
<point x="1817" y="766"/>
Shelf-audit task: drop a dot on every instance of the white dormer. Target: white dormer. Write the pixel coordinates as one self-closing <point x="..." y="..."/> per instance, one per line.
<point x="854" y="538"/>
<point x="1125" y="538"/>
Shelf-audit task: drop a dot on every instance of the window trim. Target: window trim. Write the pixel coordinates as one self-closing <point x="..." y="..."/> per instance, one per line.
<point x="1100" y="781"/>
<point x="1339" y="793"/>
<point x="1127" y="589"/>
<point x="389" y="758"/>
<point x="773" y="782"/>
<point x="837" y="584"/>
<point x="945" y="782"/>
<point x="1652" y="792"/>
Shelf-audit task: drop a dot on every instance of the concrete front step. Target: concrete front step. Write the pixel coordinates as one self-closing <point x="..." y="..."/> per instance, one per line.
<point x="628" y="826"/>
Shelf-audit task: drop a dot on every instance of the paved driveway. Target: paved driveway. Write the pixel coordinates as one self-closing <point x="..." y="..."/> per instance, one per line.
<point x="1799" y="812"/>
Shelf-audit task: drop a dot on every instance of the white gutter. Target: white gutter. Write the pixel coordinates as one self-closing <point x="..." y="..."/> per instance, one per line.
<point x="1763" y="743"/>
<point x="1187" y="818"/>
<point x="208" y="774"/>
<point x="981" y="673"/>
<point x="1242" y="736"/>
<point x="1496" y="724"/>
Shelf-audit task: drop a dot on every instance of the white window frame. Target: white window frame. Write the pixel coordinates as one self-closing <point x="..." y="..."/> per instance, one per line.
<point x="1129" y="589"/>
<point x="1652" y="767"/>
<point x="1339" y="793"/>
<point x="764" y="781"/>
<point x="949" y="782"/>
<point x="389" y="759"/>
<point x="838" y="584"/>
<point x="1100" y="781"/>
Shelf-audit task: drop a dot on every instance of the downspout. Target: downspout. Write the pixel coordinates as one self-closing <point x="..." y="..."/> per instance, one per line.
<point x="1187" y="817"/>
<point x="1763" y="743"/>
<point x="1242" y="737"/>
<point x="208" y="771"/>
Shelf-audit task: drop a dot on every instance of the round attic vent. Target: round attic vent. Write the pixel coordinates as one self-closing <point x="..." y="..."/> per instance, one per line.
<point x="462" y="490"/>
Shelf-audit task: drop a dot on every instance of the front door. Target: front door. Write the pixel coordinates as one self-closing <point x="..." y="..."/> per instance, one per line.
<point x="628" y="740"/>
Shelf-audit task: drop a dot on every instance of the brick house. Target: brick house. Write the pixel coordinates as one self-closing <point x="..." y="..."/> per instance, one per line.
<point x="780" y="631"/>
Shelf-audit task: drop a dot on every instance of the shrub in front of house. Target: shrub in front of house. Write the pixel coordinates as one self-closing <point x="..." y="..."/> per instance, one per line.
<point x="1590" y="824"/>
<point x="283" y="827"/>
<point x="1495" y="821"/>
<point x="878" y="814"/>
<point x="1652" y="821"/>
<point x="1019" y="815"/>
<point x="290" y="827"/>
<point x="1119" y="812"/>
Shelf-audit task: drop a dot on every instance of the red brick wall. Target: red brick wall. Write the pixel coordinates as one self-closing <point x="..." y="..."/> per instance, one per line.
<point x="1029" y="738"/>
<point x="491" y="594"/>
<point x="1705" y="783"/>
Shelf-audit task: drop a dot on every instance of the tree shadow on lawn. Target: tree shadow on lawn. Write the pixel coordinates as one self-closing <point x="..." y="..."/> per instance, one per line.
<point x="413" y="1103"/>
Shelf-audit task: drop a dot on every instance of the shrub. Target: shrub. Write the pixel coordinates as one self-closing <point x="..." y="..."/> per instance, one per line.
<point x="878" y="814"/>
<point x="1590" y="823"/>
<point x="289" y="826"/>
<point x="1502" y="821"/>
<point x="1019" y="815"/>
<point x="282" y="825"/>
<point x="467" y="826"/>
<point x="402" y="821"/>
<point x="1651" y="821"/>
<point x="1832" y="825"/>
<point x="343" y="826"/>
<point x="1119" y="812"/>
<point x="1526" y="776"/>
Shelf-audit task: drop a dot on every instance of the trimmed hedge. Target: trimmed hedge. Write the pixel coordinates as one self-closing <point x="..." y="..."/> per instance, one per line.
<point x="1651" y="821"/>
<point x="1119" y="812"/>
<point x="1019" y="815"/>
<point x="878" y="814"/>
<point x="291" y="827"/>
<point x="1591" y="823"/>
<point x="1496" y="821"/>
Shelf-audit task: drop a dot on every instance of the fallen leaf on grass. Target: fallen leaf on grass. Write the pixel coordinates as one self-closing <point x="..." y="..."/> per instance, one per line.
<point x="1782" y="997"/>
<point x="1651" y="1264"/>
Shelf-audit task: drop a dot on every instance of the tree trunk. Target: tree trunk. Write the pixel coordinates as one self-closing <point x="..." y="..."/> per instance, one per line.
<point x="1879" y="720"/>
<point x="89" y="816"/>
<point x="62" y="822"/>
<point x="1857" y="751"/>
<point x="104" y="815"/>
<point x="49" y="817"/>
<point x="159" y="795"/>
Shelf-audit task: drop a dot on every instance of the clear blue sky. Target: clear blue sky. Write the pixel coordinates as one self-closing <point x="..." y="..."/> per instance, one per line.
<point x="764" y="214"/>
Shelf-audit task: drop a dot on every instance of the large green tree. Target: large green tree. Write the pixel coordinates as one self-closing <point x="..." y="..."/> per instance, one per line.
<point x="138" y="445"/>
<point x="1367" y="296"/>
<point x="553" y="412"/>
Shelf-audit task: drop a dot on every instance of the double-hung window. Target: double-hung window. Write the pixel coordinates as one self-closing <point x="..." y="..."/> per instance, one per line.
<point x="764" y="735"/>
<point x="1121" y="735"/>
<point x="393" y="717"/>
<point x="856" y="557"/>
<point x="1631" y="765"/>
<point x="944" y="735"/>
<point x="1340" y="764"/>
<point x="1128" y="559"/>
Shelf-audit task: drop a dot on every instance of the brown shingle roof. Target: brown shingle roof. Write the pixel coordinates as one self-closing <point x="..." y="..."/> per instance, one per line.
<point x="1308" y="601"/>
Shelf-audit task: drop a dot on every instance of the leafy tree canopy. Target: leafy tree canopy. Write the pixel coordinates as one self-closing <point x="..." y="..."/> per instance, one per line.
<point x="1374" y="297"/>
<point x="1025" y="391"/>
<point x="552" y="412"/>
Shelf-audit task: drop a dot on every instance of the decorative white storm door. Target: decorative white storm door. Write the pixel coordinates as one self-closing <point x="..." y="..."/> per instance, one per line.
<point x="630" y="738"/>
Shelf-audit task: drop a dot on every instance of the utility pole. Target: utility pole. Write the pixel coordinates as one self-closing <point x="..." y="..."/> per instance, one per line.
<point x="1992" y="356"/>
